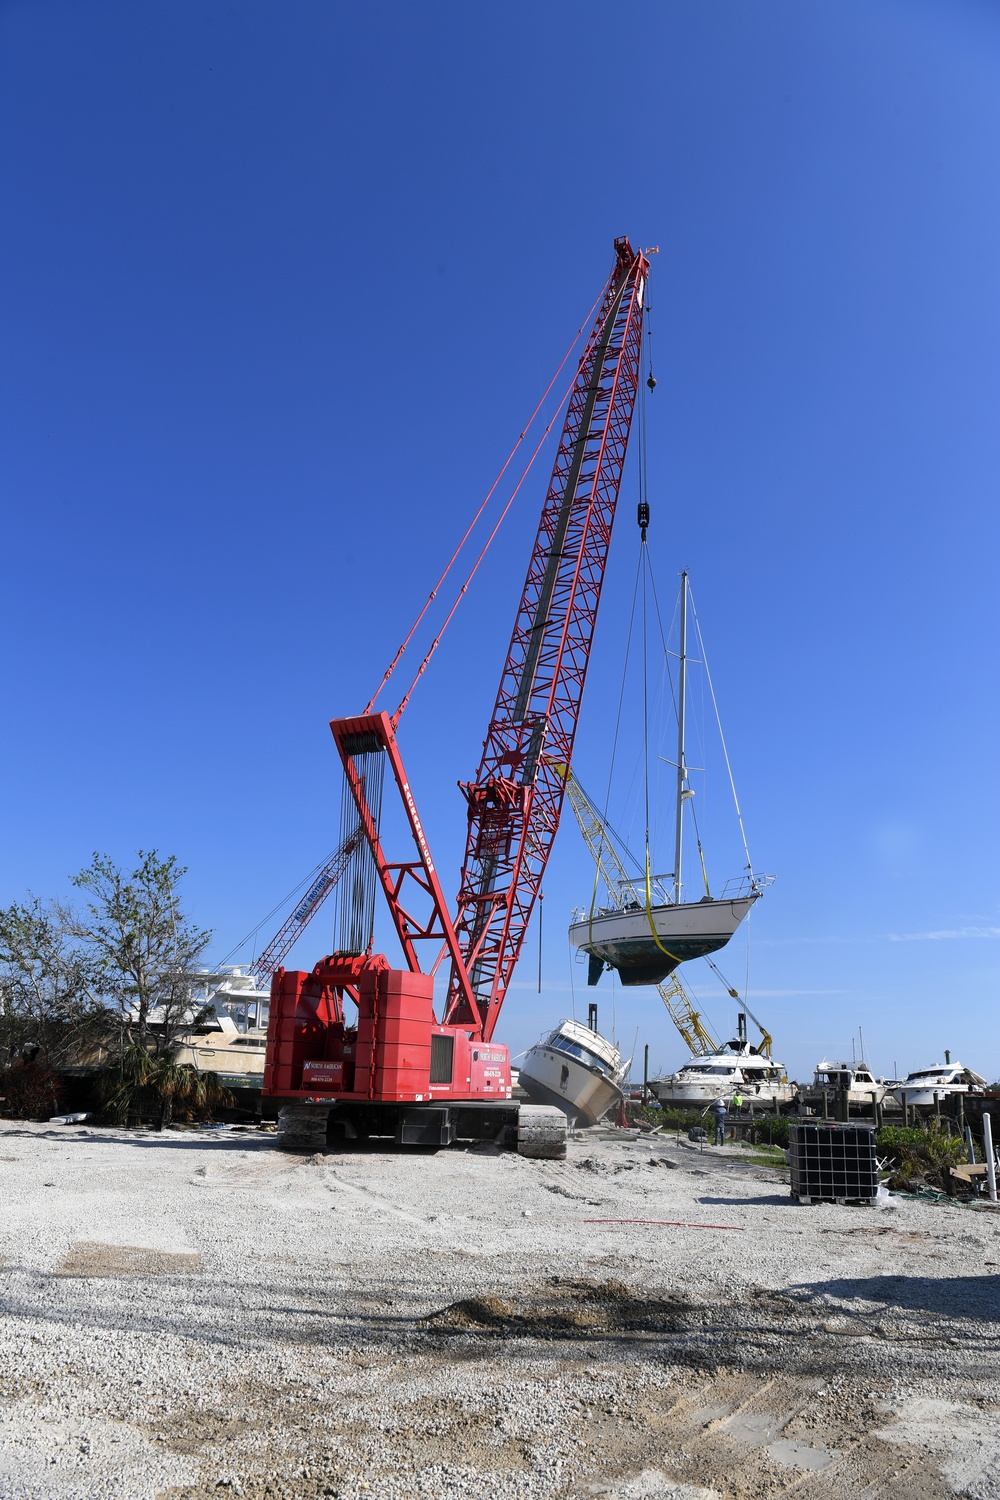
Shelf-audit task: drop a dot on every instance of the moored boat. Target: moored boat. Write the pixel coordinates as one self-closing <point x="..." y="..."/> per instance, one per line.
<point x="237" y="1057"/>
<point x="837" y="1078"/>
<point x="924" y="1087"/>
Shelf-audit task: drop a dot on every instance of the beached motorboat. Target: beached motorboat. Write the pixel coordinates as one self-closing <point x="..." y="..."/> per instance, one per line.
<point x="647" y="928"/>
<point x="737" y="1069"/>
<point x="924" y="1086"/>
<point x="236" y="1056"/>
<point x="577" y="1070"/>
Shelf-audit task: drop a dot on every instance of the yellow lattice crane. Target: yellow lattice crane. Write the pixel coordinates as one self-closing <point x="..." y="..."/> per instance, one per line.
<point x="622" y="889"/>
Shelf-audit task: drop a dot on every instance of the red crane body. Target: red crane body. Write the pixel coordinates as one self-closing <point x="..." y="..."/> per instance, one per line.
<point x="399" y="1053"/>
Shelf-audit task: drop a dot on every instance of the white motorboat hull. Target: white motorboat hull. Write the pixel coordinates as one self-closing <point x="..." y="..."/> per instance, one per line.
<point x="577" y="1070"/>
<point x="924" y="1098"/>
<point x="919" y="1088"/>
<point x="625" y="941"/>
<point x="761" y="1082"/>
<point x="550" y="1077"/>
<point x="237" y="1059"/>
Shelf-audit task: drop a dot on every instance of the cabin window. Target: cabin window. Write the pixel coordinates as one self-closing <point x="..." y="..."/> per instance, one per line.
<point x="442" y="1058"/>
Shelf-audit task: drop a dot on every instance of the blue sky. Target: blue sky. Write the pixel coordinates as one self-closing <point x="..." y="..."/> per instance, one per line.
<point x="281" y="284"/>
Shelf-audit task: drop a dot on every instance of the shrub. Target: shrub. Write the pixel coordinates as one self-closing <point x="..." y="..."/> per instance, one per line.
<point x="141" y="1085"/>
<point x="919" y="1155"/>
<point x="30" y="1091"/>
<point x="770" y="1130"/>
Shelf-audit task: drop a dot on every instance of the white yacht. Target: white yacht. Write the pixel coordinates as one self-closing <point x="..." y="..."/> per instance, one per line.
<point x="232" y="1039"/>
<point x="720" y="1075"/>
<point x="939" y="1081"/>
<point x="857" y="1078"/>
<point x="577" y="1070"/>
<point x="237" y="1056"/>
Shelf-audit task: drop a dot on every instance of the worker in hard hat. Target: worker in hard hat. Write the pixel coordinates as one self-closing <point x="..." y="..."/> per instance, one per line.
<point x="718" y="1112"/>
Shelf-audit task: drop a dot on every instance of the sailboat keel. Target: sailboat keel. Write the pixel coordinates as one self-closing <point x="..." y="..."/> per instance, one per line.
<point x="625" y="941"/>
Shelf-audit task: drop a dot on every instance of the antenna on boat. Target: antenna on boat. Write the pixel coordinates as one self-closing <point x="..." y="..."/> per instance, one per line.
<point x="681" y="727"/>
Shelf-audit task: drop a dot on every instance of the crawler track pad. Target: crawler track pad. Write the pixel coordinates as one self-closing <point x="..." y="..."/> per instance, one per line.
<point x="541" y="1132"/>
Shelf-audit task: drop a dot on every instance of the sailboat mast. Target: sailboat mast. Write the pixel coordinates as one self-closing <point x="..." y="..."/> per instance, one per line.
<point x="681" y="729"/>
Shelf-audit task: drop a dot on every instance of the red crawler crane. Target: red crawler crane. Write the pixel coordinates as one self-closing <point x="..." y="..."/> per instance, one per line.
<point x="400" y="1071"/>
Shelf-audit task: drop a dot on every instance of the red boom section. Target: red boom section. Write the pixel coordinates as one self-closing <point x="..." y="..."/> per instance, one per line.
<point x="516" y="798"/>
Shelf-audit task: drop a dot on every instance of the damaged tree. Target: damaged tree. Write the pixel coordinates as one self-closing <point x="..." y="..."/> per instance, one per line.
<point x="144" y="950"/>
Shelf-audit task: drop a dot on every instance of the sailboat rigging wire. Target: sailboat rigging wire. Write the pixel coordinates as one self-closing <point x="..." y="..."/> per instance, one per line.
<point x="722" y="737"/>
<point x="469" y="529"/>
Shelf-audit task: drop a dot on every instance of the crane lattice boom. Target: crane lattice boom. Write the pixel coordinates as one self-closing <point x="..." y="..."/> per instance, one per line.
<point x="516" y="798"/>
<point x="292" y="929"/>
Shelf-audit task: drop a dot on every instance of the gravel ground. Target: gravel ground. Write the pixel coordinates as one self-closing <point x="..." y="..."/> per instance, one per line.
<point x="195" y="1314"/>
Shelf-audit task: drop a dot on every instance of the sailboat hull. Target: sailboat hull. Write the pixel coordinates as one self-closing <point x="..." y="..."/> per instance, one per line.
<point x="577" y="1070"/>
<point x="625" y="940"/>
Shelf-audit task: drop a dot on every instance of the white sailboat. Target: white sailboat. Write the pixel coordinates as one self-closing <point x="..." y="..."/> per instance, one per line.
<point x="644" y="941"/>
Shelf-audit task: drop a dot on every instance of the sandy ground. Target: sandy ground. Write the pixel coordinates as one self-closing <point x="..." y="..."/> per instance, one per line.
<point x="195" y="1315"/>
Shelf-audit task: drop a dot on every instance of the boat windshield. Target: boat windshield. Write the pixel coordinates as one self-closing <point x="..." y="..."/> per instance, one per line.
<point x="563" y="1044"/>
<point x="714" y="1071"/>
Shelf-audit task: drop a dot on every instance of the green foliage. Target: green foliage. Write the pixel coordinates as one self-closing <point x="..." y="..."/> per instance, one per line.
<point x="767" y="1156"/>
<point x="684" y="1120"/>
<point x="48" y="1000"/>
<point x="770" y="1130"/>
<point x="29" y="1091"/>
<point x="143" y="1084"/>
<point x="919" y="1155"/>
<point x="144" y="950"/>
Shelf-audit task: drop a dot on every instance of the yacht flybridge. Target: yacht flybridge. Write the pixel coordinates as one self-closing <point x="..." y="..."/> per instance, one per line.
<point x="927" y="1086"/>
<point x="648" y="928"/>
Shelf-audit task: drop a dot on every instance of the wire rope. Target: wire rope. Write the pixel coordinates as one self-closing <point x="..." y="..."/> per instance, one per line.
<point x="489" y="494"/>
<point x="614" y="743"/>
<point x="275" y="909"/>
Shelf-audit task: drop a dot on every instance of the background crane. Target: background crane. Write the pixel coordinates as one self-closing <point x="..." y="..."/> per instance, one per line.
<point x="288" y="934"/>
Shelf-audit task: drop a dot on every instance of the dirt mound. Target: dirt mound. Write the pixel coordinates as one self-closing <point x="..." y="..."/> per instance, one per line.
<point x="564" y="1306"/>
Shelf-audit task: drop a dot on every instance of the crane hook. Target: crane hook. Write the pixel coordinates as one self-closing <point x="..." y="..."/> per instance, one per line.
<point x="642" y="516"/>
<point x="651" y="382"/>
